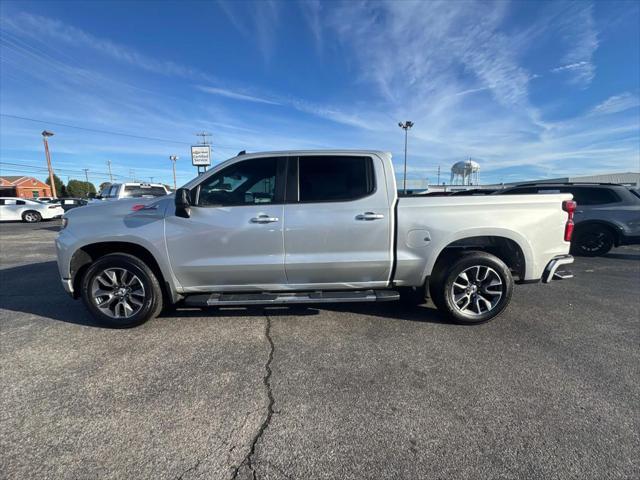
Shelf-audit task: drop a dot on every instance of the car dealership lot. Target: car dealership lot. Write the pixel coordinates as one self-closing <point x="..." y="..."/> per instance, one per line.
<point x="549" y="389"/>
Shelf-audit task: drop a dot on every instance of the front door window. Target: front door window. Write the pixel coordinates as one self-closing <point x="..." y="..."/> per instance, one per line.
<point x="245" y="183"/>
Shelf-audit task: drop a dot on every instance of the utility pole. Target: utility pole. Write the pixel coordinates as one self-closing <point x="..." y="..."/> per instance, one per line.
<point x="150" y="179"/>
<point x="45" y="135"/>
<point x="204" y="136"/>
<point x="405" y="126"/>
<point x="86" y="178"/>
<point x="438" y="175"/>
<point x="132" y="174"/>
<point x="110" y="175"/>
<point x="173" y="159"/>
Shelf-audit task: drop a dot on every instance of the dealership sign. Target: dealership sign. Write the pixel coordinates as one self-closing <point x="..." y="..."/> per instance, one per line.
<point x="201" y="155"/>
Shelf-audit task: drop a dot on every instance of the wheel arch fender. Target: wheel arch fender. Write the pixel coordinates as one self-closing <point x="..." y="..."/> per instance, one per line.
<point x="478" y="238"/>
<point x="30" y="210"/>
<point x="85" y="254"/>
<point x="612" y="227"/>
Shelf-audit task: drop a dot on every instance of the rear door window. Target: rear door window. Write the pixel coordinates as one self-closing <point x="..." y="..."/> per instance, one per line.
<point x="335" y="178"/>
<point x="520" y="191"/>
<point x="593" y="196"/>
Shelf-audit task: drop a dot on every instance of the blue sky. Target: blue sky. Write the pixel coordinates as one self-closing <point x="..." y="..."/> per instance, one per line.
<point x="527" y="89"/>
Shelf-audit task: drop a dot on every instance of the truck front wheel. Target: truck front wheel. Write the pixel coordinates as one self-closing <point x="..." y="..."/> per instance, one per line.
<point x="121" y="291"/>
<point x="474" y="288"/>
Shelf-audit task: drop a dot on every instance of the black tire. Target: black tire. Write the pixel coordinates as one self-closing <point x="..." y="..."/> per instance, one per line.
<point x="592" y="241"/>
<point x="478" y="292"/>
<point x="149" y="302"/>
<point x="31" y="216"/>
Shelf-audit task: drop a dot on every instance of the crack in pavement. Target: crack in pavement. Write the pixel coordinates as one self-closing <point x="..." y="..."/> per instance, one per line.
<point x="247" y="462"/>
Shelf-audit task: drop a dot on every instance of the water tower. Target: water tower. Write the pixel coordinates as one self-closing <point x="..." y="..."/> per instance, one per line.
<point x="465" y="172"/>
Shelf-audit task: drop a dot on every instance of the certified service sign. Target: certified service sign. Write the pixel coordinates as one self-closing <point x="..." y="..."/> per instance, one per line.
<point x="201" y="155"/>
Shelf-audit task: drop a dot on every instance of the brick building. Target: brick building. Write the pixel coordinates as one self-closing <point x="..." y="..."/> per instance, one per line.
<point x="23" y="187"/>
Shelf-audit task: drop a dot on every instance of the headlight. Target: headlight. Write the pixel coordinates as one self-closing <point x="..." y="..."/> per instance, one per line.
<point x="65" y="222"/>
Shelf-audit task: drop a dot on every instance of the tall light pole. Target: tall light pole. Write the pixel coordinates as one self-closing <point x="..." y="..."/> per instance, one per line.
<point x="45" y="135"/>
<point x="173" y="159"/>
<point x="405" y="126"/>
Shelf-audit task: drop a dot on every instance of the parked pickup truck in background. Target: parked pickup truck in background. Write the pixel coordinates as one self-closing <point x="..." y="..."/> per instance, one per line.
<point x="310" y="227"/>
<point x="117" y="191"/>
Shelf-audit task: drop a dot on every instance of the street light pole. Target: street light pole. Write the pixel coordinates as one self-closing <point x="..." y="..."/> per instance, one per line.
<point x="173" y="159"/>
<point x="405" y="126"/>
<point x="45" y="135"/>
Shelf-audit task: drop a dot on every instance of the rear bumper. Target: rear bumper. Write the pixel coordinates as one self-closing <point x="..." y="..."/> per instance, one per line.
<point x="553" y="270"/>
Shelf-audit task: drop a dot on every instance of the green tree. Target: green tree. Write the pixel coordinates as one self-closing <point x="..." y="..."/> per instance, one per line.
<point x="103" y="185"/>
<point x="61" y="190"/>
<point x="79" y="188"/>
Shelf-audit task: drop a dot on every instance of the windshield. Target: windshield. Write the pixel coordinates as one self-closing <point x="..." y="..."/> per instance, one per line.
<point x="143" y="191"/>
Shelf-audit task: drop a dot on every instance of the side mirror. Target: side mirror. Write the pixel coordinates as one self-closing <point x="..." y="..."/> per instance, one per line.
<point x="183" y="203"/>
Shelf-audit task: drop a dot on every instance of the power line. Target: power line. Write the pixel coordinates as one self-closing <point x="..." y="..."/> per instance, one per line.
<point x="106" y="132"/>
<point x="66" y="170"/>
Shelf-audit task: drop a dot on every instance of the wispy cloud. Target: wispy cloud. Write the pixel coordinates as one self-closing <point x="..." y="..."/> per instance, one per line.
<point x="571" y="66"/>
<point x="39" y="27"/>
<point x="414" y="51"/>
<point x="256" y="20"/>
<point x="312" y="11"/>
<point x="617" y="103"/>
<point x="577" y="27"/>
<point x="236" y="95"/>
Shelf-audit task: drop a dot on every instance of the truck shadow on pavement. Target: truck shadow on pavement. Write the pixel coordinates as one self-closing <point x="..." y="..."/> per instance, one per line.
<point x="35" y="289"/>
<point x="623" y="256"/>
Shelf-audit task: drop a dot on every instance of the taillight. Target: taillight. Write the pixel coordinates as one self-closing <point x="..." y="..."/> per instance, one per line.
<point x="137" y="206"/>
<point x="569" y="206"/>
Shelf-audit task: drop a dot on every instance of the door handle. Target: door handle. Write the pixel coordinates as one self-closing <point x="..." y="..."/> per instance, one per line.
<point x="369" y="216"/>
<point x="264" y="219"/>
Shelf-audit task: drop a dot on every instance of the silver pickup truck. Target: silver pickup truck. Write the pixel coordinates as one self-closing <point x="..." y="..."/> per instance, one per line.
<point x="310" y="227"/>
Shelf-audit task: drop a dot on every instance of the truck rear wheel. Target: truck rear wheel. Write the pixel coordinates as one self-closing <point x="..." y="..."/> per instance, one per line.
<point x="121" y="291"/>
<point x="474" y="288"/>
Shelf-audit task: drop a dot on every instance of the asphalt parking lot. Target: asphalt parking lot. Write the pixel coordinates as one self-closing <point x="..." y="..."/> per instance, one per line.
<point x="548" y="390"/>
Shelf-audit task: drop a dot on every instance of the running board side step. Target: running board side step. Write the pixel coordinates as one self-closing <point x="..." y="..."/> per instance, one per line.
<point x="289" y="298"/>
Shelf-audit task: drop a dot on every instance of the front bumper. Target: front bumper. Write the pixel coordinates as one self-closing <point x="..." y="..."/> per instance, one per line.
<point x="67" y="283"/>
<point x="553" y="270"/>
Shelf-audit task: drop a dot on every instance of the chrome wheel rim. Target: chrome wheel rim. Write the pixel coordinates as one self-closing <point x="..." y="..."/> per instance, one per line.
<point x="118" y="293"/>
<point x="477" y="290"/>
<point x="30" y="217"/>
